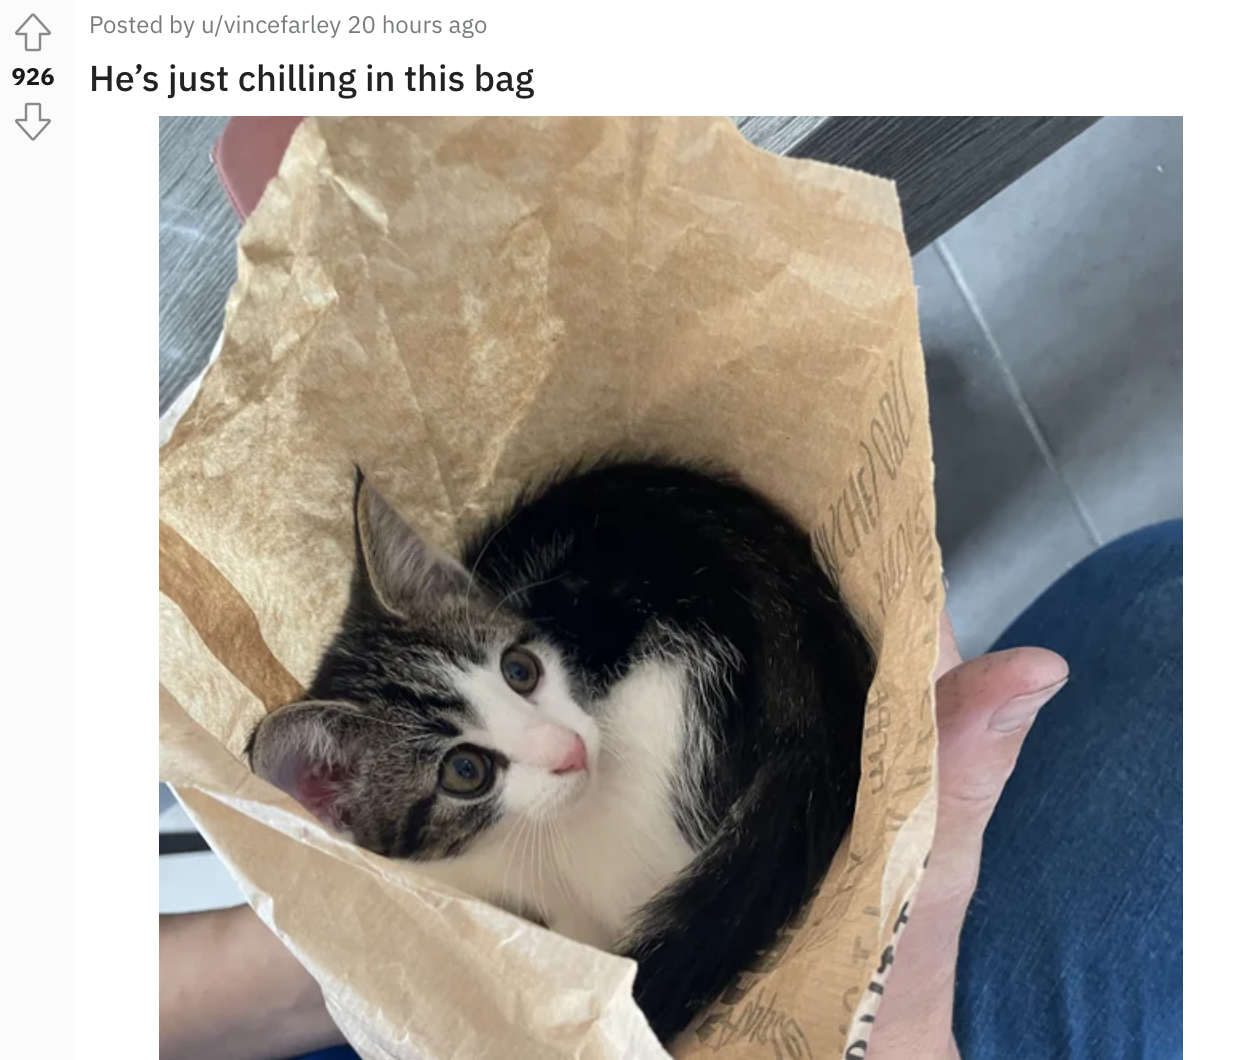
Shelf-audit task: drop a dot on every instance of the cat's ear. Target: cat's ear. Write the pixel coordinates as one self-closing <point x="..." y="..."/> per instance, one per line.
<point x="396" y="565"/>
<point x="307" y="751"/>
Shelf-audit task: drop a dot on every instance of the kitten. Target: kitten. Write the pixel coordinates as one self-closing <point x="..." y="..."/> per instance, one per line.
<point x="632" y="711"/>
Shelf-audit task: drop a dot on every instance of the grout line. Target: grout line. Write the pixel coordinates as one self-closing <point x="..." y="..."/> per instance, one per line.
<point x="1017" y="395"/>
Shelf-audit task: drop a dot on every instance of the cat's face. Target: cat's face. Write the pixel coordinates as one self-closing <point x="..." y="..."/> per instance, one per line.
<point x="439" y="715"/>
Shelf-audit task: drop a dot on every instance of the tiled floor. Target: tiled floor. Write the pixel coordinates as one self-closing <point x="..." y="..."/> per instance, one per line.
<point x="1051" y="321"/>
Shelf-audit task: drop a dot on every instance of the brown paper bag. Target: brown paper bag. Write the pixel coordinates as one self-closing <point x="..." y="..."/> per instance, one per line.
<point x="458" y="304"/>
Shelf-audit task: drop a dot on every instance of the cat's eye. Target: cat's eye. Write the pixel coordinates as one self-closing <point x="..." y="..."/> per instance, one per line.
<point x="466" y="772"/>
<point x="521" y="669"/>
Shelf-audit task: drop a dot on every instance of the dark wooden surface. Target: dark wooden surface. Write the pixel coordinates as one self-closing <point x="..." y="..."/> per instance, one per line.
<point x="944" y="167"/>
<point x="198" y="227"/>
<point x="182" y="843"/>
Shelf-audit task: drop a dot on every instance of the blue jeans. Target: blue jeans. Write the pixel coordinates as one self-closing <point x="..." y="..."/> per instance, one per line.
<point x="1072" y="947"/>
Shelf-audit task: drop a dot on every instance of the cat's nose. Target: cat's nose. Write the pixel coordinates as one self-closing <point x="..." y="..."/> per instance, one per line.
<point x="574" y="759"/>
<point x="552" y="747"/>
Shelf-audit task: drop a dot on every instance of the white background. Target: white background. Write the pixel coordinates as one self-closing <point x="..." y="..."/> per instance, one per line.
<point x="81" y="304"/>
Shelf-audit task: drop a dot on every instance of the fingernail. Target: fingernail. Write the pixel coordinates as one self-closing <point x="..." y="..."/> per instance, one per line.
<point x="1018" y="712"/>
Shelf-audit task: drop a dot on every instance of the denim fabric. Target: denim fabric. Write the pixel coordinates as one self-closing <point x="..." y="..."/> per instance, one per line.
<point x="1072" y="948"/>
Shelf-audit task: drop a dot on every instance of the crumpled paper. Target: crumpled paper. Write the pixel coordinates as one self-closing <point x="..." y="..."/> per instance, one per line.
<point x="460" y="303"/>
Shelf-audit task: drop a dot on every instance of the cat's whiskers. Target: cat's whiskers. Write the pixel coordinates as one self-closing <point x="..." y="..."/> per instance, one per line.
<point x="523" y="830"/>
<point x="418" y="734"/>
<point x="527" y="833"/>
<point x="531" y="864"/>
<point x="562" y="864"/>
<point x="553" y="862"/>
<point x="512" y="845"/>
<point x="374" y="720"/>
<point x="468" y="589"/>
<point x="418" y="739"/>
<point x="540" y="834"/>
<point x="536" y="850"/>
<point x="523" y="589"/>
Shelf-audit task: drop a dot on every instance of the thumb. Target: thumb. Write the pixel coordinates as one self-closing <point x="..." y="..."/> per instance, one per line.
<point x="985" y="708"/>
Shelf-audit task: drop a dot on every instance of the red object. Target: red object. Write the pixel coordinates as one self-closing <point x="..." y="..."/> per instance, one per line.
<point x="247" y="156"/>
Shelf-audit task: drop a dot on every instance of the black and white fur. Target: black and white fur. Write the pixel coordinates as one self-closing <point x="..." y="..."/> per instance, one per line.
<point x="688" y="642"/>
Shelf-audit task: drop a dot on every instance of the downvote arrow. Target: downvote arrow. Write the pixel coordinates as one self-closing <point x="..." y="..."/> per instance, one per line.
<point x="34" y="123"/>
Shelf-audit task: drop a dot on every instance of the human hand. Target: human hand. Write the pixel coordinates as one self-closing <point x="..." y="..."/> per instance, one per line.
<point x="231" y="990"/>
<point x="985" y="708"/>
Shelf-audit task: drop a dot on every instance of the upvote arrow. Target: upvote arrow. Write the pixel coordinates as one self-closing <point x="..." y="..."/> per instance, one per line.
<point x="34" y="123"/>
<point x="33" y="30"/>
